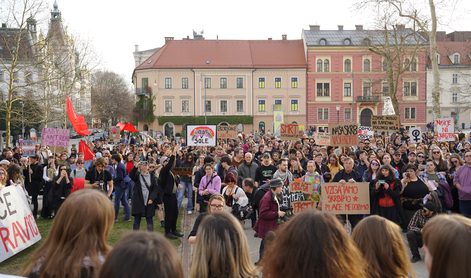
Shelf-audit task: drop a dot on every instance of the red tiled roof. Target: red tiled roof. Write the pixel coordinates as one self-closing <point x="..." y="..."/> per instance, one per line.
<point x="228" y="54"/>
<point x="447" y="48"/>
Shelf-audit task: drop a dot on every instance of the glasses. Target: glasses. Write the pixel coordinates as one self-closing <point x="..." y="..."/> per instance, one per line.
<point x="367" y="143"/>
<point x="421" y="156"/>
<point x="231" y="182"/>
<point x="425" y="210"/>
<point x="151" y="167"/>
<point x="435" y="152"/>
<point x="375" y="164"/>
<point x="140" y="150"/>
<point x="217" y="206"/>
<point x="454" y="161"/>
<point x="79" y="163"/>
<point x="467" y="156"/>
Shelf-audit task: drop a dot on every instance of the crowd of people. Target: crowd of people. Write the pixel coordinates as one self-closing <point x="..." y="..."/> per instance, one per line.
<point x="412" y="186"/>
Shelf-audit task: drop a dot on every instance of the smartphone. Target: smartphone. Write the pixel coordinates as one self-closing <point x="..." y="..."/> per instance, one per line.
<point x="408" y="175"/>
<point x="143" y="163"/>
<point x="426" y="166"/>
<point x="381" y="181"/>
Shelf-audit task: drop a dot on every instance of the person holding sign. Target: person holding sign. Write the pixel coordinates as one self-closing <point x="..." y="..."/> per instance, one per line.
<point x="33" y="181"/>
<point x="313" y="177"/>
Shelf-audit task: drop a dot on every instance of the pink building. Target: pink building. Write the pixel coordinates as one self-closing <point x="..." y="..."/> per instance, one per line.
<point x="343" y="74"/>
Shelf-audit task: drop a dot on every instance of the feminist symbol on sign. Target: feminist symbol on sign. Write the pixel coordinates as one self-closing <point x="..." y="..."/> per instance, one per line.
<point x="416" y="134"/>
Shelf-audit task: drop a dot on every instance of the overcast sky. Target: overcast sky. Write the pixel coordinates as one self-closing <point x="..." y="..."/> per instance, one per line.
<point x="116" y="26"/>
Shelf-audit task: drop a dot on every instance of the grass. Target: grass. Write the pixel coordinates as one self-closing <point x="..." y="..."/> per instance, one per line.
<point x="14" y="264"/>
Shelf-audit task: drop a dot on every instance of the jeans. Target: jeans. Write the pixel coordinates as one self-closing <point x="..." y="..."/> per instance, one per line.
<point x="465" y="208"/>
<point x="130" y="189"/>
<point x="121" y="195"/>
<point x="137" y="223"/>
<point x="181" y="194"/>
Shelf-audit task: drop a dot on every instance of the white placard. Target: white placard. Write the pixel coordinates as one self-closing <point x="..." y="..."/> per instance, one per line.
<point x="445" y="129"/>
<point x="365" y="132"/>
<point x="415" y="134"/>
<point x="18" y="229"/>
<point x="201" y="135"/>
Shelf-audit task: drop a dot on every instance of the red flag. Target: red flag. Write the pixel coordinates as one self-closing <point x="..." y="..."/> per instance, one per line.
<point x="78" y="122"/>
<point x="129" y="127"/>
<point x="85" y="149"/>
<point x="121" y="126"/>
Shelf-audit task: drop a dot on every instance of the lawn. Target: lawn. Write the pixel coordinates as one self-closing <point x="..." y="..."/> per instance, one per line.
<point x="14" y="264"/>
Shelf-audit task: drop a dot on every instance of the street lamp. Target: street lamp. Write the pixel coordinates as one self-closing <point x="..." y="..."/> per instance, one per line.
<point x="22" y="121"/>
<point x="338" y="111"/>
<point x="353" y="96"/>
<point x="204" y="84"/>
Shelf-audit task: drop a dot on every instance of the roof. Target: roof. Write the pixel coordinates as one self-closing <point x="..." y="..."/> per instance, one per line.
<point x="8" y="40"/>
<point x="447" y="48"/>
<point x="356" y="37"/>
<point x="228" y="54"/>
<point x="152" y="50"/>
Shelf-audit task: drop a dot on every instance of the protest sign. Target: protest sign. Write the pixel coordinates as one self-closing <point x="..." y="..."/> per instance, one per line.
<point x="349" y="198"/>
<point x="28" y="147"/>
<point x="55" y="137"/>
<point x="179" y="171"/>
<point x="365" y="132"/>
<point x="227" y="132"/>
<point x="290" y="132"/>
<point x="300" y="206"/>
<point x="201" y="135"/>
<point x="385" y="123"/>
<point x="322" y="139"/>
<point x="344" y="135"/>
<point x="445" y="129"/>
<point x="114" y="134"/>
<point x="415" y="134"/>
<point x="18" y="229"/>
<point x="301" y="186"/>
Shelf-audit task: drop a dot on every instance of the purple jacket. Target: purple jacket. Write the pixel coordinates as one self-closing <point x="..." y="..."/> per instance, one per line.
<point x="463" y="177"/>
<point x="268" y="215"/>
<point x="214" y="186"/>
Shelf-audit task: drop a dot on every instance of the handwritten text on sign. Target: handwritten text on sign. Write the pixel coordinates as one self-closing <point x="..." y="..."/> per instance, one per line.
<point x="445" y="129"/>
<point x="365" y="132"/>
<point x="301" y="186"/>
<point x="344" y="135"/>
<point x="28" y="147"/>
<point x="322" y="139"/>
<point x="350" y="198"/>
<point x="385" y="122"/>
<point x="301" y="206"/>
<point x="18" y="229"/>
<point x="55" y="137"/>
<point x="226" y="132"/>
<point x="289" y="132"/>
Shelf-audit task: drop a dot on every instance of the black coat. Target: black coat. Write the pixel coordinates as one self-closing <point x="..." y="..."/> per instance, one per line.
<point x="137" y="202"/>
<point x="62" y="189"/>
<point x="166" y="178"/>
<point x="34" y="185"/>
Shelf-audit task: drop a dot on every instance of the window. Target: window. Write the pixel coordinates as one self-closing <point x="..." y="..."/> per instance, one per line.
<point x="240" y="106"/>
<point x="385" y="88"/>
<point x="366" y="65"/>
<point x="367" y="89"/>
<point x="294" y="82"/>
<point x="207" y="82"/>
<point x="406" y="64"/>
<point x="261" y="82"/>
<point x="278" y="105"/>
<point x="322" y="42"/>
<point x="144" y="82"/>
<point x="223" y="84"/>
<point x="410" y="89"/>
<point x="347" y="89"/>
<point x="413" y="65"/>
<point x="207" y="106"/>
<point x="456" y="60"/>
<point x="455" y="78"/>
<point x="347" y="65"/>
<point x="347" y="42"/>
<point x="326" y="90"/>
<point x="294" y="105"/>
<point x="185" y="106"/>
<point x="319" y="89"/>
<point x="326" y="65"/>
<point x="240" y="82"/>
<point x="223" y="106"/>
<point x="168" y="83"/>
<point x="319" y="65"/>
<point x="454" y="97"/>
<point x="277" y="82"/>
<point x="347" y="113"/>
<point x="409" y="113"/>
<point x="366" y="41"/>
<point x="168" y="106"/>
<point x="385" y="65"/>
<point x="2" y="78"/>
<point x="185" y="83"/>
<point x="261" y="127"/>
<point x="261" y="106"/>
<point x="323" y="89"/>
<point x="322" y="113"/>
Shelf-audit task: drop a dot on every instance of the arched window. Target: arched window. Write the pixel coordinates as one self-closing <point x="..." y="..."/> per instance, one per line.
<point x="413" y="65"/>
<point x="294" y="123"/>
<point x="348" y="65"/>
<point x="406" y="63"/>
<point x="385" y="65"/>
<point x="146" y="128"/>
<point x="366" y="65"/>
<point x="261" y="127"/>
<point x="347" y="42"/>
<point x="322" y="42"/>
<point x="240" y="127"/>
<point x="366" y="41"/>
<point x="319" y="65"/>
<point x="326" y="65"/>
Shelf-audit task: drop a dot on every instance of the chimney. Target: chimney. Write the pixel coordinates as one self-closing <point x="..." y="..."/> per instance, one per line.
<point x="359" y="27"/>
<point x="270" y="39"/>
<point x="167" y="39"/>
<point x="314" y="27"/>
<point x="340" y="27"/>
<point x="136" y="48"/>
<point x="400" y="26"/>
<point x="283" y="37"/>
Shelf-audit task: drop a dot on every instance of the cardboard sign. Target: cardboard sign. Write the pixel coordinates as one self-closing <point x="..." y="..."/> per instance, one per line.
<point x="344" y="135"/>
<point x="18" y="229"/>
<point x="227" y="132"/>
<point x="322" y="139"/>
<point x="289" y="132"/>
<point x="415" y="134"/>
<point x="182" y="171"/>
<point x="300" y="206"/>
<point x="201" y="135"/>
<point x="385" y="123"/>
<point x="114" y="133"/>
<point x="445" y="129"/>
<point x="28" y="147"/>
<point x="365" y="132"/>
<point x="301" y="186"/>
<point x="55" y="137"/>
<point x="350" y="198"/>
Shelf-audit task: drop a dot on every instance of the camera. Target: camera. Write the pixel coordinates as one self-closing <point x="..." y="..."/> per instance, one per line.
<point x="288" y="213"/>
<point x="242" y="213"/>
<point x="143" y="163"/>
<point x="100" y="187"/>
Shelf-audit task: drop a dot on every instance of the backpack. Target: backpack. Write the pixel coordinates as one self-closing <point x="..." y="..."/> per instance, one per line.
<point x="446" y="198"/>
<point x="75" y="171"/>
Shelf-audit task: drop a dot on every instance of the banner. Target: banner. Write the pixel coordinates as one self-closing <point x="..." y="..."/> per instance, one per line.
<point x="28" y="147"/>
<point x="415" y="134"/>
<point x="55" y="137"/>
<point x="349" y="198"/>
<point x="278" y="120"/>
<point x="365" y="132"/>
<point x="300" y="206"/>
<point x="290" y="132"/>
<point x="18" y="229"/>
<point x="227" y="132"/>
<point x="385" y="123"/>
<point x="114" y="134"/>
<point x="180" y="171"/>
<point x="322" y="139"/>
<point x="344" y="135"/>
<point x="201" y="135"/>
<point x="445" y="129"/>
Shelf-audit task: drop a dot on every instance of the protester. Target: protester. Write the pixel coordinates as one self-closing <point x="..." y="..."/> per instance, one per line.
<point x="417" y="223"/>
<point x="386" y="196"/>
<point x="99" y="178"/>
<point x="216" y="203"/>
<point x="233" y="194"/>
<point x="186" y="184"/>
<point x="3" y="178"/>
<point x="120" y="187"/>
<point x="265" y="171"/>
<point x="210" y="184"/>
<point x="462" y="182"/>
<point x="61" y="186"/>
<point x="33" y="174"/>
<point x="334" y="165"/>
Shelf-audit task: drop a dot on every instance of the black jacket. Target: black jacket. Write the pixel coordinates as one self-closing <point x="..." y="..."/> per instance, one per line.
<point x="166" y="178"/>
<point x="34" y="185"/>
<point x="342" y="175"/>
<point x="137" y="202"/>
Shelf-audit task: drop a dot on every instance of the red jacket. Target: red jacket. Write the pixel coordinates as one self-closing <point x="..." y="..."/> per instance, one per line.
<point x="268" y="215"/>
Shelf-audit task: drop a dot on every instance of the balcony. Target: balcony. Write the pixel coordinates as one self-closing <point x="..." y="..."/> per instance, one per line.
<point x="368" y="99"/>
<point x="143" y="91"/>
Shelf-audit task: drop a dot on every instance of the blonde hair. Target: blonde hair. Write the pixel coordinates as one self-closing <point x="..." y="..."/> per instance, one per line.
<point x="213" y="197"/>
<point x="80" y="229"/>
<point x="221" y="249"/>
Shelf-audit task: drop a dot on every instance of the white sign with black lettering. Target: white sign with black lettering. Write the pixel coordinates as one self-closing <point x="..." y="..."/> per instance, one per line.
<point x="415" y="134"/>
<point x="365" y="132"/>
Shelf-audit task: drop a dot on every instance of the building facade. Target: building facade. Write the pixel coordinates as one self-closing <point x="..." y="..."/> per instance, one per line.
<point x="232" y="82"/>
<point x="345" y="80"/>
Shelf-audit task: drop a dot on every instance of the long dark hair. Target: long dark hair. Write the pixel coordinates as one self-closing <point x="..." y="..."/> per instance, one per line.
<point x="390" y="177"/>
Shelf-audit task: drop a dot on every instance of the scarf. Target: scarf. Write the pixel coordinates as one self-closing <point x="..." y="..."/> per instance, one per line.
<point x="143" y="178"/>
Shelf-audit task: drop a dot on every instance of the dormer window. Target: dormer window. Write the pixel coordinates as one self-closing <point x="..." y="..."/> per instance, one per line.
<point x="347" y="42"/>
<point x="366" y="41"/>
<point x="456" y="59"/>
<point x="322" y="42"/>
